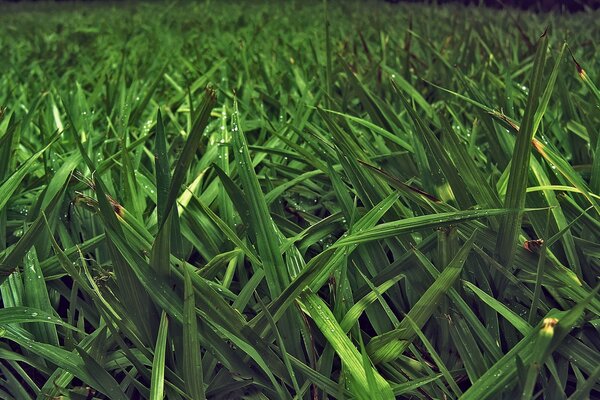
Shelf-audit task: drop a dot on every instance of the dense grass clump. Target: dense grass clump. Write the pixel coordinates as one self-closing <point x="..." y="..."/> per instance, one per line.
<point x="280" y="201"/>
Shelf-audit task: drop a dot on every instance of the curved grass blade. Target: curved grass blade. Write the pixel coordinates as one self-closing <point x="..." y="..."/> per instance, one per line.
<point x="348" y="353"/>
<point x="392" y="344"/>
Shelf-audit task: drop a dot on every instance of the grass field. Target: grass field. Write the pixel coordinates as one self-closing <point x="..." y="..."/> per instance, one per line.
<point x="298" y="201"/>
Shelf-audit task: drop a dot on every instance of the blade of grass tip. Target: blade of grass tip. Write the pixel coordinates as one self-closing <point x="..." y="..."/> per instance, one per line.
<point x="413" y="385"/>
<point x="132" y="290"/>
<point x="157" y="383"/>
<point x="318" y="270"/>
<point x="545" y="99"/>
<point x="586" y="79"/>
<point x="68" y="360"/>
<point x="192" y="357"/>
<point x="438" y="156"/>
<point x="20" y="314"/>
<point x="584" y="389"/>
<point x="414" y="224"/>
<point x="595" y="175"/>
<point x="436" y="357"/>
<point x="229" y="233"/>
<point x="541" y="350"/>
<point x="13" y="182"/>
<point x="323" y="382"/>
<point x="16" y="254"/>
<point x="136" y="113"/>
<point x="390" y="345"/>
<point x="348" y="353"/>
<point x="36" y="295"/>
<point x="519" y="169"/>
<point x="161" y="248"/>
<point x="16" y="382"/>
<point x="281" y="343"/>
<point x="226" y="209"/>
<point x="161" y="165"/>
<point x="189" y="150"/>
<point x="375" y="128"/>
<point x="108" y="384"/>
<point x="501" y="376"/>
<point x="267" y="236"/>
<point x="236" y="196"/>
<point x="566" y="169"/>
<point x="353" y="314"/>
<point x="516" y="321"/>
<point x="368" y="367"/>
<point x="401" y="84"/>
<point x="397" y="183"/>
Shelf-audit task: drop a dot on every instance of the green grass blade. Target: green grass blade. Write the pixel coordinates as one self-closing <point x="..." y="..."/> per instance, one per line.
<point x="519" y="168"/>
<point x="157" y="383"/>
<point x="349" y="354"/>
<point x="392" y="344"/>
<point x="192" y="361"/>
<point x="267" y="237"/>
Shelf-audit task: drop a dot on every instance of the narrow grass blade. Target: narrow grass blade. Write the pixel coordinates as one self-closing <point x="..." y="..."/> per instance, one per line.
<point x="36" y="295"/>
<point x="501" y="376"/>
<point x="392" y="344"/>
<point x="519" y="168"/>
<point x="192" y="359"/>
<point x="11" y="184"/>
<point x="267" y="237"/>
<point x="348" y="353"/>
<point x="157" y="383"/>
<point x="189" y="151"/>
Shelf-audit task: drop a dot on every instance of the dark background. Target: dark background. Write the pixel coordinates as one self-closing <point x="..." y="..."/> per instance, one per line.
<point x="533" y="5"/>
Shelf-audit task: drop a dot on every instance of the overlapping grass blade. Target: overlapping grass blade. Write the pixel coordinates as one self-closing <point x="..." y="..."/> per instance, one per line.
<point x="519" y="167"/>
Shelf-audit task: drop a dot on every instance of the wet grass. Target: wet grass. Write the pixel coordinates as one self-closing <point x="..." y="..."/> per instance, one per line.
<point x="356" y="200"/>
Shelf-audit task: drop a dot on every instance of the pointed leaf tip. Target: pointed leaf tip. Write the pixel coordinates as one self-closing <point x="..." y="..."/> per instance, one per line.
<point x="580" y="70"/>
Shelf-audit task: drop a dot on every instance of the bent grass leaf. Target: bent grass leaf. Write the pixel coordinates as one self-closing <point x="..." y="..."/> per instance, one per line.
<point x="391" y="345"/>
<point x="347" y="351"/>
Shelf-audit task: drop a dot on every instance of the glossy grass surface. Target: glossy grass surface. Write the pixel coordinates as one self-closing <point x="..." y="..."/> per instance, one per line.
<point x="298" y="201"/>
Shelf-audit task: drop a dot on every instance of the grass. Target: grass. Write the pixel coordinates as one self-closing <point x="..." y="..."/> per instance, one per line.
<point x="298" y="201"/>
